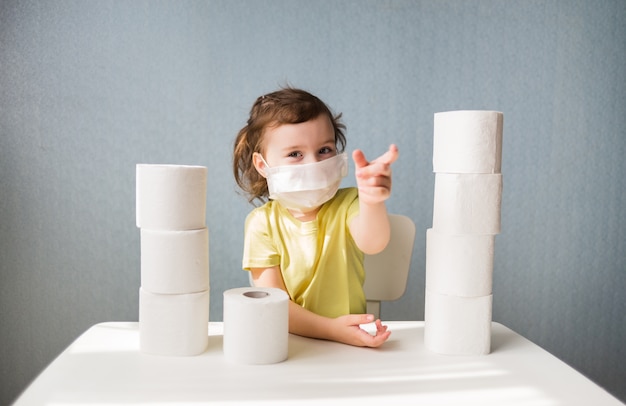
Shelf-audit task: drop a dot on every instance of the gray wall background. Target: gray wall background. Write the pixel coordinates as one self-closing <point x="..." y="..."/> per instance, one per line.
<point x="90" y="88"/>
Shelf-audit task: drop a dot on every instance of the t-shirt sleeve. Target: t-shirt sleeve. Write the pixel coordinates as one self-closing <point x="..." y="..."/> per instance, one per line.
<point x="259" y="251"/>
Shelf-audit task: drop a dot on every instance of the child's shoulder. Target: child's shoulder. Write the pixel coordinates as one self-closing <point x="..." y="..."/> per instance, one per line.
<point x="343" y="201"/>
<point x="260" y="211"/>
<point x="348" y="193"/>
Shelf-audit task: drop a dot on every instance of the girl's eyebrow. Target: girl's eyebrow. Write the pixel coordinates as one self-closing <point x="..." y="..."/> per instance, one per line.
<point x="290" y="148"/>
<point x="330" y="141"/>
<point x="297" y="147"/>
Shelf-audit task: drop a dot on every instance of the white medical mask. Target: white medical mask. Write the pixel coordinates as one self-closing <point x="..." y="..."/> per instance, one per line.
<point x="306" y="186"/>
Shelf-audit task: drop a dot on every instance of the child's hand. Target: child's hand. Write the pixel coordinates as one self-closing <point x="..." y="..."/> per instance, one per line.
<point x="374" y="178"/>
<point x="347" y="331"/>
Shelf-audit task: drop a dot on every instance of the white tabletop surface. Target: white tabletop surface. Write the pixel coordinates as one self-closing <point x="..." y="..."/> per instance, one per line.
<point x="104" y="367"/>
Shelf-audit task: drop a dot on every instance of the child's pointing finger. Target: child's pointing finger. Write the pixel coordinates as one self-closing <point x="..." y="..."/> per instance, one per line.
<point x="388" y="157"/>
<point x="359" y="158"/>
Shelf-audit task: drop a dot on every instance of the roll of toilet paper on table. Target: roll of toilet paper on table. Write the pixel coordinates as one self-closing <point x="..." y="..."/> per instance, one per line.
<point x="456" y="325"/>
<point x="467" y="141"/>
<point x="175" y="262"/>
<point x="256" y="325"/>
<point x="171" y="197"/>
<point x="459" y="265"/>
<point x="467" y="203"/>
<point x="175" y="325"/>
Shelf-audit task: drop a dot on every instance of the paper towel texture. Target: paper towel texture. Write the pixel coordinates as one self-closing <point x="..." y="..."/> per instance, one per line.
<point x="171" y="197"/>
<point x="175" y="262"/>
<point x="467" y="203"/>
<point x="457" y="325"/>
<point x="467" y="141"/>
<point x="174" y="325"/>
<point x="459" y="265"/>
<point x="256" y="325"/>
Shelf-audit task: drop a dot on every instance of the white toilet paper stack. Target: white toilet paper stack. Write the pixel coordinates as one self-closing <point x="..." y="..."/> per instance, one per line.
<point x="174" y="292"/>
<point x="467" y="156"/>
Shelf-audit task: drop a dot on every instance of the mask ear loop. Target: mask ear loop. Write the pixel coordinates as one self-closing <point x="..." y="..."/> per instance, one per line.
<point x="265" y="165"/>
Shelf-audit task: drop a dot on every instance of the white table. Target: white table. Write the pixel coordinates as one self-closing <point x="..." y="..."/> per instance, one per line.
<point x="104" y="366"/>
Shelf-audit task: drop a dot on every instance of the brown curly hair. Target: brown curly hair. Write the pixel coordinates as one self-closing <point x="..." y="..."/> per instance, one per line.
<point x="285" y="106"/>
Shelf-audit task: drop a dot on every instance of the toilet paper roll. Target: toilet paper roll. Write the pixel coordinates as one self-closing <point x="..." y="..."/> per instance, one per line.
<point x="175" y="262"/>
<point x="459" y="265"/>
<point x="256" y="325"/>
<point x="174" y="325"/>
<point x="171" y="197"/>
<point x="467" y="141"/>
<point x="457" y="325"/>
<point x="467" y="203"/>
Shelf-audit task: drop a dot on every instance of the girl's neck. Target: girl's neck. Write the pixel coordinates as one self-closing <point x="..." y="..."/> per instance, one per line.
<point x="304" y="217"/>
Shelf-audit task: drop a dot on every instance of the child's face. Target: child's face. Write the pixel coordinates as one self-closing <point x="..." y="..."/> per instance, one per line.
<point x="303" y="143"/>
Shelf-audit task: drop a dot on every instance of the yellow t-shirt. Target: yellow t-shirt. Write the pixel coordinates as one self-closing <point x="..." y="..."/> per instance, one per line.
<point x="320" y="263"/>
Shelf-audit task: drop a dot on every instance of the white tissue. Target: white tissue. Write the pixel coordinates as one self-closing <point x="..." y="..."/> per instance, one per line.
<point x="467" y="203"/>
<point x="457" y="325"/>
<point x="174" y="325"/>
<point x="256" y="325"/>
<point x="467" y="141"/>
<point x="171" y="197"/>
<point x="175" y="262"/>
<point x="459" y="265"/>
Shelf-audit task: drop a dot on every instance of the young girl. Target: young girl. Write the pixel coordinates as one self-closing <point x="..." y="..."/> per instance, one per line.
<point x="309" y="238"/>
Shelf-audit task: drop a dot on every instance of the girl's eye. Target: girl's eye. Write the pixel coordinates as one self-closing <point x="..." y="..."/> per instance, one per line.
<point x="295" y="154"/>
<point x="326" y="150"/>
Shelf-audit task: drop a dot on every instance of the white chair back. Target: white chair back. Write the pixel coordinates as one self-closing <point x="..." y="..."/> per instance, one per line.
<point x="386" y="273"/>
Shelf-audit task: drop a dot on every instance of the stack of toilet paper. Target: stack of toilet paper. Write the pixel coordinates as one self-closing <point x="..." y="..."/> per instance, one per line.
<point x="467" y="155"/>
<point x="174" y="292"/>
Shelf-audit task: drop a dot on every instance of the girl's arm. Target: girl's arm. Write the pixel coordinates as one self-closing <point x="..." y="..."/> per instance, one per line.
<point x="344" y="329"/>
<point x="370" y="228"/>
